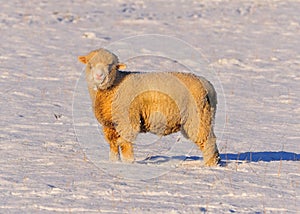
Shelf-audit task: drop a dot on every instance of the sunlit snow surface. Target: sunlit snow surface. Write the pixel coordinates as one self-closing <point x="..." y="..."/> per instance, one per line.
<point x="50" y="140"/>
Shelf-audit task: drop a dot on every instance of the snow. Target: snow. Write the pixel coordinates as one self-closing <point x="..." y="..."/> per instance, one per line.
<point x="53" y="154"/>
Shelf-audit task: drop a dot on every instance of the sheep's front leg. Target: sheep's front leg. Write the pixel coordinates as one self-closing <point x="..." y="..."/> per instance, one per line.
<point x="126" y="150"/>
<point x="112" y="136"/>
<point x="114" y="154"/>
<point x="118" y="144"/>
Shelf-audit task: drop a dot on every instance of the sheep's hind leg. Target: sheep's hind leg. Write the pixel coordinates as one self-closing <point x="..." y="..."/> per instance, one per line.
<point x="206" y="139"/>
<point x="206" y="142"/>
<point x="210" y="151"/>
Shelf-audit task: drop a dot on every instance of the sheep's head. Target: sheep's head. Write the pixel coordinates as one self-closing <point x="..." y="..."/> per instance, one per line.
<point x="101" y="68"/>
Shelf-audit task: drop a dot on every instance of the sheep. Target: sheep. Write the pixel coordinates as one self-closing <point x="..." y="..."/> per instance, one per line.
<point x="128" y="103"/>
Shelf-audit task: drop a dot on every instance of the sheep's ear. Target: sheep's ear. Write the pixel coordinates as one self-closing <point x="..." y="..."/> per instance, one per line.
<point x="87" y="58"/>
<point x="121" y="66"/>
<point x="83" y="59"/>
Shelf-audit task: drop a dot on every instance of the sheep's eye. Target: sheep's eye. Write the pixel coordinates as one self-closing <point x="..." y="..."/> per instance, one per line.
<point x="110" y="66"/>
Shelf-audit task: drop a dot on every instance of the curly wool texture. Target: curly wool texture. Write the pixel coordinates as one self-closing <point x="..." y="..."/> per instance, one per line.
<point x="161" y="103"/>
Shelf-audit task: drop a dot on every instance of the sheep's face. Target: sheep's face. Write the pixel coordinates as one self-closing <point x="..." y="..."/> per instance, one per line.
<point x="100" y="73"/>
<point x="101" y="69"/>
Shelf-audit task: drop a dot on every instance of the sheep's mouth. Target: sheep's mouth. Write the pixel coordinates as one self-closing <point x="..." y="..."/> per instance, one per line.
<point x="100" y="78"/>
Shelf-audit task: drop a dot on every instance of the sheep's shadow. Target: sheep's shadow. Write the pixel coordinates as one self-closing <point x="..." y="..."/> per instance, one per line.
<point x="229" y="157"/>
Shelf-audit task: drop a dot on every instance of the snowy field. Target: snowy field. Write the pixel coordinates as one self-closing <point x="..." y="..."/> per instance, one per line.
<point x="49" y="160"/>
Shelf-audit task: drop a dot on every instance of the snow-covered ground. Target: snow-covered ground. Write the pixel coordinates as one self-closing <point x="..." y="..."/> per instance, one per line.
<point x="46" y="163"/>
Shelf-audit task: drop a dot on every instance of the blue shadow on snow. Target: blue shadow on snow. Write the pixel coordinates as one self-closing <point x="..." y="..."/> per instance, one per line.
<point x="227" y="157"/>
<point x="261" y="156"/>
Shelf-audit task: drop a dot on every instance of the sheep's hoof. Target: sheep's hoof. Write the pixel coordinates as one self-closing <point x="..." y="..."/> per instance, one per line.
<point x="129" y="159"/>
<point x="127" y="152"/>
<point x="214" y="161"/>
<point x="114" y="157"/>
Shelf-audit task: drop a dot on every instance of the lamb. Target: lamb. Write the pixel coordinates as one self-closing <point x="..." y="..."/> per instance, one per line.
<point x="129" y="103"/>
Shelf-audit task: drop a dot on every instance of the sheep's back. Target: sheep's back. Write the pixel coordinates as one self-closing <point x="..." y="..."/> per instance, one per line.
<point x="198" y="86"/>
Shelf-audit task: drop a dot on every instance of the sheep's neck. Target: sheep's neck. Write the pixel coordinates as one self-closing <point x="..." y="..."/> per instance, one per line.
<point x="92" y="87"/>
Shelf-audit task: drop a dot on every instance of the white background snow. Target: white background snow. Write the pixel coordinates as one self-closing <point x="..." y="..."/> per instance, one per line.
<point x="254" y="48"/>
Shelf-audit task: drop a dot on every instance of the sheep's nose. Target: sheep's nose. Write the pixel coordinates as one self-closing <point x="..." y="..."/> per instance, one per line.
<point x="98" y="76"/>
